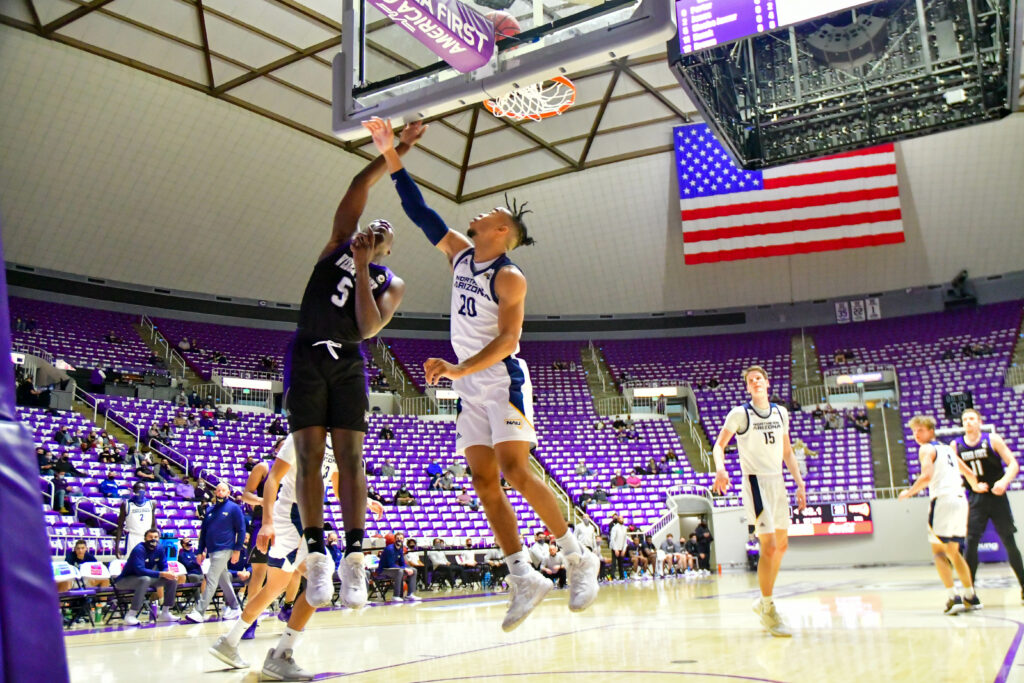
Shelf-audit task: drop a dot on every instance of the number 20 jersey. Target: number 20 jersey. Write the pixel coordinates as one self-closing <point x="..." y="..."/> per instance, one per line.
<point x="759" y="437"/>
<point x="328" y="310"/>
<point x="474" y="303"/>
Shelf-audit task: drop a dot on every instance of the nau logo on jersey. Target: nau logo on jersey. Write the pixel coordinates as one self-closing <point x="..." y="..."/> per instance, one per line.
<point x="381" y="278"/>
<point x="514" y="423"/>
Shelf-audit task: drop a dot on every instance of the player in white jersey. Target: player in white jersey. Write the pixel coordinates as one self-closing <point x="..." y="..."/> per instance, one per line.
<point x="136" y="516"/>
<point x="941" y="469"/>
<point x="761" y="429"/>
<point x="494" y="429"/>
<point x="281" y="538"/>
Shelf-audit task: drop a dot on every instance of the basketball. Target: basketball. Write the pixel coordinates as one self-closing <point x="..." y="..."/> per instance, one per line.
<point x="505" y="25"/>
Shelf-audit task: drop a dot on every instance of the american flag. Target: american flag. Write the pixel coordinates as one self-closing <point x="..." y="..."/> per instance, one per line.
<point x="839" y="202"/>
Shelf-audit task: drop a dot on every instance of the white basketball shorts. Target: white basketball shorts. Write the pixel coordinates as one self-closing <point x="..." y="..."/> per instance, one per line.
<point x="288" y="551"/>
<point x="495" y="405"/>
<point x="947" y="519"/>
<point x="766" y="502"/>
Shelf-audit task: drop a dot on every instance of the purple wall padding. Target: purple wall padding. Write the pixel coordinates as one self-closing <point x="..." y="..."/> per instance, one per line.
<point x="31" y="637"/>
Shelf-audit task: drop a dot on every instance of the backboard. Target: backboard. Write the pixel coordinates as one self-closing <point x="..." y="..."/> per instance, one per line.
<point x="384" y="71"/>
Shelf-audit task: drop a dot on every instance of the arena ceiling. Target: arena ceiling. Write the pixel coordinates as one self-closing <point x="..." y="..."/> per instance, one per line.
<point x="273" y="57"/>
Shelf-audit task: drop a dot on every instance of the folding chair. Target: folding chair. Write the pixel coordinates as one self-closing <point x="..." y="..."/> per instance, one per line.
<point x="187" y="593"/>
<point x="121" y="600"/>
<point x="76" y="603"/>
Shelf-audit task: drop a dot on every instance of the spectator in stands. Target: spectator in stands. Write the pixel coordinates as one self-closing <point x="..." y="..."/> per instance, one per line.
<point x="373" y="495"/>
<point x="691" y="553"/>
<point x="275" y="428"/>
<point x="753" y="552"/>
<point x="704" y="541"/>
<point x="206" y="423"/>
<point x="833" y="420"/>
<point x="403" y="496"/>
<point x="445" y="483"/>
<point x="618" y="481"/>
<point x="230" y="414"/>
<point x="393" y="566"/>
<point x="465" y="499"/>
<point x="466" y="560"/>
<point x="434" y="472"/>
<point x="862" y="424"/>
<point x="78" y="556"/>
<point x="87" y="441"/>
<point x="600" y="495"/>
<point x="584" y="499"/>
<point x="165" y="432"/>
<point x="61" y="492"/>
<point x="553" y="566"/>
<point x="387" y="469"/>
<point x="144" y="472"/>
<point x="617" y="544"/>
<point x="113" y="338"/>
<point x="45" y="460"/>
<point x="184" y="345"/>
<point x="133" y="456"/>
<point x="146" y="568"/>
<point x="193" y="399"/>
<point x="109" y="488"/>
<point x="496" y="565"/>
<point x="713" y="383"/>
<point x="66" y="467"/>
<point x="179" y="420"/>
<point x="333" y="549"/>
<point x="456" y="468"/>
<point x="618" y="424"/>
<point x="538" y="549"/>
<point x="653" y="466"/>
<point x="646" y="555"/>
<point x="583" y="470"/>
<point x="793" y="405"/>
<point x="674" y="558"/>
<point x="187" y="558"/>
<point x="221" y="536"/>
<point x="61" y="436"/>
<point x="441" y="569"/>
<point x="633" y="481"/>
<point x="414" y="559"/>
<point x="28" y="395"/>
<point x="386" y="433"/>
<point x="152" y="435"/>
<point x="193" y="422"/>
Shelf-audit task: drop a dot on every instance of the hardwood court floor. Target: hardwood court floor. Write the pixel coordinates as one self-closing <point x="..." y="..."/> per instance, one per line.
<point x="857" y="625"/>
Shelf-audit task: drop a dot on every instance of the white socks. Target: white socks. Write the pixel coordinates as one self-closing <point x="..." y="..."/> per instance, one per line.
<point x="951" y="592"/>
<point x="519" y="563"/>
<point x="289" y="639"/>
<point x="766" y="601"/>
<point x="568" y="544"/>
<point x="234" y="636"/>
<point x="969" y="592"/>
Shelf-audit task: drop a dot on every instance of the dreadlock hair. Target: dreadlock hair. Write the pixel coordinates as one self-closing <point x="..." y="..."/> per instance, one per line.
<point x="518" y="211"/>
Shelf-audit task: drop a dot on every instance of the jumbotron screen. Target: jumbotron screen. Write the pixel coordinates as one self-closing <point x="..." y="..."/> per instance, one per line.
<point x="831" y="519"/>
<point x="707" y="23"/>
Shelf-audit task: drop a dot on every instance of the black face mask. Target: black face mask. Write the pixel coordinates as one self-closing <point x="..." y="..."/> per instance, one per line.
<point x="151" y="544"/>
<point x="221" y="499"/>
<point x="249" y="466"/>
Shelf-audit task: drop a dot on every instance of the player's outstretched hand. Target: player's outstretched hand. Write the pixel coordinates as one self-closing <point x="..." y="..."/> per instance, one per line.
<point x="412" y="132"/>
<point x="436" y="368"/>
<point x="904" y="494"/>
<point x="265" y="538"/>
<point x="721" y="484"/>
<point x="381" y="132"/>
<point x="362" y="249"/>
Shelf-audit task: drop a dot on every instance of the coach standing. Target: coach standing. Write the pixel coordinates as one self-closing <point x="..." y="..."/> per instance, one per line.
<point x="222" y="537"/>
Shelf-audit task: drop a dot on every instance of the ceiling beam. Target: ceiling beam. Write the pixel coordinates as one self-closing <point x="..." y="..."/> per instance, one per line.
<point x="31" y="7"/>
<point x="277" y="64"/>
<point x="310" y="14"/>
<point x="466" y="152"/>
<point x="206" y="43"/>
<point x="656" y="93"/>
<point x="612" y="82"/>
<point x="73" y="15"/>
<point x="521" y="129"/>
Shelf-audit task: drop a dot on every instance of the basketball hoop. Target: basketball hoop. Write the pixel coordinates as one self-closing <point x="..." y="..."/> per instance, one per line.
<point x="535" y="102"/>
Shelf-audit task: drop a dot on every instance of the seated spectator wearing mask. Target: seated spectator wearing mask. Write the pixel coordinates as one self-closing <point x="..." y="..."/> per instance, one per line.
<point x="76" y="557"/>
<point x="553" y="566"/>
<point x="441" y="567"/>
<point x="187" y="558"/>
<point x="109" y="488"/>
<point x="496" y="565"/>
<point x="538" y="550"/>
<point x="335" y="550"/>
<point x="146" y="568"/>
<point x="393" y="566"/>
<point x="674" y="558"/>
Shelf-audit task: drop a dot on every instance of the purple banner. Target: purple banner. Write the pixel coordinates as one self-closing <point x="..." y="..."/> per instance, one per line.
<point x="454" y="32"/>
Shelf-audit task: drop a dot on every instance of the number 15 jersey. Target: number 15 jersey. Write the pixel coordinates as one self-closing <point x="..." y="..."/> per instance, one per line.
<point x="474" y="303"/>
<point x="759" y="437"/>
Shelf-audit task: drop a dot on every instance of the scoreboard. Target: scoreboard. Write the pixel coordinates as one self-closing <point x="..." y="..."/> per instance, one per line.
<point x="831" y="519"/>
<point x="707" y="23"/>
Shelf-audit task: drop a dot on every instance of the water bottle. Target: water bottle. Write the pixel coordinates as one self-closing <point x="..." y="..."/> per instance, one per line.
<point x="487" y="579"/>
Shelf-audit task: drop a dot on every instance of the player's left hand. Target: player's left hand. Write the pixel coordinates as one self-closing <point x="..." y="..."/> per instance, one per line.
<point x="904" y="494"/>
<point x="381" y="132"/>
<point x="801" y="498"/>
<point x="999" y="488"/>
<point x="436" y="368"/>
<point x="412" y="133"/>
<point x="362" y="249"/>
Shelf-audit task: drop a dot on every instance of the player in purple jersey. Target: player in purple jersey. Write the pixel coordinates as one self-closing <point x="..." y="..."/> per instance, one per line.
<point x="348" y="299"/>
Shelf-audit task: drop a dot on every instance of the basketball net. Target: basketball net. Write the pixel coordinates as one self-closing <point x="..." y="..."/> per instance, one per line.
<point x="535" y="102"/>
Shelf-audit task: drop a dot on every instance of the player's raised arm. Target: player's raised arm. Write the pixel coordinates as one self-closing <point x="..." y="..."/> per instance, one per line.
<point x="372" y="314"/>
<point x="426" y="219"/>
<point x="510" y="286"/>
<point x="346" y="216"/>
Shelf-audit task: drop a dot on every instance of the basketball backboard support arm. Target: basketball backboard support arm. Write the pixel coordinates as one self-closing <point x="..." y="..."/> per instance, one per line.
<point x="652" y="23"/>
